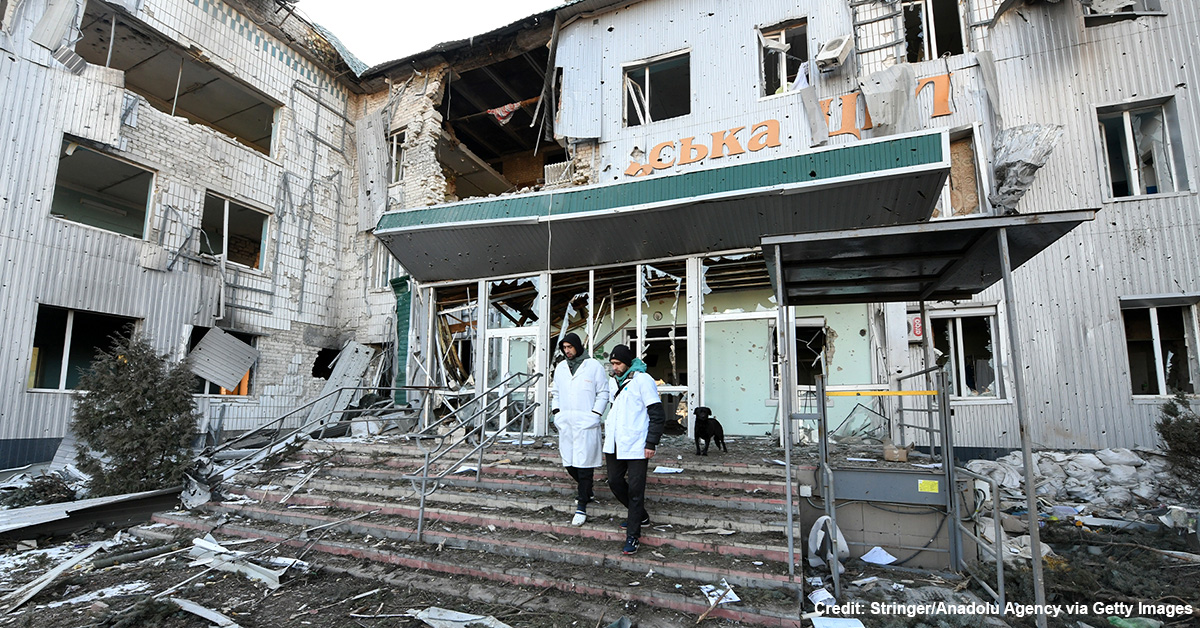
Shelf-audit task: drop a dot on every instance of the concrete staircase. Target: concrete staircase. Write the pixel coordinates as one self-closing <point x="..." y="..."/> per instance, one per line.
<point x="711" y="523"/>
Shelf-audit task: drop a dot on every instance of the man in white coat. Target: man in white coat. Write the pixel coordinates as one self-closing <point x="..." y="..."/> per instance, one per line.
<point x="580" y="397"/>
<point x="634" y="427"/>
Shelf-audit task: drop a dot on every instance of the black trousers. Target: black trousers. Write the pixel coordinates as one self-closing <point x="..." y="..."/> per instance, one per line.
<point x="627" y="479"/>
<point x="584" y="477"/>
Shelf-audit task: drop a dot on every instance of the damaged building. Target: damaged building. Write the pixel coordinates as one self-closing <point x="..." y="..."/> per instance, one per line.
<point x="617" y="170"/>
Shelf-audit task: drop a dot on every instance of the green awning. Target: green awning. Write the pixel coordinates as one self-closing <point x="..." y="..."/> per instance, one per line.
<point x="880" y="182"/>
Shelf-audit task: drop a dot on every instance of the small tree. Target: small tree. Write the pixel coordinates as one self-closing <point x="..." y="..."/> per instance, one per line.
<point x="1179" y="428"/>
<point x="136" y="420"/>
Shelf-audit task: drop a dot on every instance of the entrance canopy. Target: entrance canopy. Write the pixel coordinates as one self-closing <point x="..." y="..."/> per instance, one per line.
<point x="932" y="261"/>
<point x="889" y="181"/>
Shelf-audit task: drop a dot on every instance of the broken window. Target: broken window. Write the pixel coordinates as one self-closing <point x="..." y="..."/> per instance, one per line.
<point x="1108" y="11"/>
<point x="66" y="341"/>
<point x="99" y="190"/>
<point x="205" y="387"/>
<point x="965" y="348"/>
<point x="396" y="157"/>
<point x="963" y="193"/>
<point x="1161" y="346"/>
<point x="1141" y="147"/>
<point x="383" y="267"/>
<point x="175" y="80"/>
<point x="323" y="364"/>
<point x="932" y="29"/>
<point x="658" y="90"/>
<point x="246" y="229"/>
<point x="784" y="54"/>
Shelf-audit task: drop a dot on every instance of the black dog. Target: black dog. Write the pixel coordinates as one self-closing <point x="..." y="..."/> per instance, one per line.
<point x="708" y="429"/>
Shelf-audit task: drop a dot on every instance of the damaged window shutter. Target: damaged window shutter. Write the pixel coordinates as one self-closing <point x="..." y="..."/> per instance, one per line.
<point x="222" y="359"/>
<point x="372" y="153"/>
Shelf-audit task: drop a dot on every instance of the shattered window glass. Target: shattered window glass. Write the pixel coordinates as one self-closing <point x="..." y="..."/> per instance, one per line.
<point x="784" y="50"/>
<point x="658" y="91"/>
<point x="1139" y="145"/>
<point x="932" y="29"/>
<point x="963" y="348"/>
<point x="1157" y="341"/>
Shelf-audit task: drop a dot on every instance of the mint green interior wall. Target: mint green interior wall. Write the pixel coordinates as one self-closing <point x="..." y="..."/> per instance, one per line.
<point x="737" y="375"/>
<point x="847" y="352"/>
<point x="66" y="204"/>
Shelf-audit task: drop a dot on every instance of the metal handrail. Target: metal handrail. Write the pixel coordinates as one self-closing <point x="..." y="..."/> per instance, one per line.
<point x="997" y="551"/>
<point x="435" y="454"/>
<point x="213" y="477"/>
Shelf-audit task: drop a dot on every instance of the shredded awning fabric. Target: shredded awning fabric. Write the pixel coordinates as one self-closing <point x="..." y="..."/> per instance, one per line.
<point x="504" y="114"/>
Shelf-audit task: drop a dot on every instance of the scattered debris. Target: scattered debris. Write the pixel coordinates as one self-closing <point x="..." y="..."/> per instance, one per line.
<point x="878" y="556"/>
<point x="216" y="618"/>
<point x="442" y="618"/>
<point x="16" y="598"/>
<point x="667" y="470"/>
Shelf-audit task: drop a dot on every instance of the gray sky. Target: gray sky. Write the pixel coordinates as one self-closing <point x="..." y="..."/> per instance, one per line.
<point x="377" y="30"/>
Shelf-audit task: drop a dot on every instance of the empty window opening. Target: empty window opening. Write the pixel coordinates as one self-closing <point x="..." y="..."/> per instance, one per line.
<point x="246" y="228"/>
<point x="174" y="80"/>
<point x="396" y="157"/>
<point x="65" y="343"/>
<point x="965" y="348"/>
<point x="384" y="267"/>
<point x="323" y="364"/>
<point x="1141" y="148"/>
<point x="810" y="346"/>
<point x="659" y="90"/>
<point x="98" y="190"/>
<point x="962" y="192"/>
<point x="491" y="142"/>
<point x="205" y="387"/>
<point x="784" y="53"/>
<point x="657" y="348"/>
<point x="1159" y="341"/>
<point x="932" y="29"/>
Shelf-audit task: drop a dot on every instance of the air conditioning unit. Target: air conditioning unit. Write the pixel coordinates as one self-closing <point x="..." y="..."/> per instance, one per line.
<point x="833" y="54"/>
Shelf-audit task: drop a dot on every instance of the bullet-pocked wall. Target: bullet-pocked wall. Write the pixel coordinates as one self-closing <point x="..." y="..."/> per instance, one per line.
<point x="280" y="212"/>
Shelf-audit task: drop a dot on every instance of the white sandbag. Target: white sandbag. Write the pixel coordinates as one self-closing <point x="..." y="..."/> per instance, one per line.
<point x="1082" y="491"/>
<point x="1147" y="491"/>
<point x="1119" y="455"/>
<point x="1090" y="461"/>
<point x="1075" y="470"/>
<point x="1059" y="457"/>
<point x="1014" y="460"/>
<point x="1051" y="469"/>
<point x="1117" y="496"/>
<point x="1120" y="475"/>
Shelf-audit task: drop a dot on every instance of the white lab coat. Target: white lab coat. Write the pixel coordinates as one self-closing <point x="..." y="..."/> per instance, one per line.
<point x="580" y="399"/>
<point x="628" y="423"/>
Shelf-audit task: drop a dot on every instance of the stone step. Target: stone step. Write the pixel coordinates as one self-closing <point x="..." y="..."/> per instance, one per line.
<point x="715" y="480"/>
<point x="750" y="541"/>
<point x="766" y="601"/>
<point x="748" y="513"/>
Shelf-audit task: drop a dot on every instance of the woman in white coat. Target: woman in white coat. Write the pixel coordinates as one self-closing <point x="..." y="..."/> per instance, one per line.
<point x="580" y="398"/>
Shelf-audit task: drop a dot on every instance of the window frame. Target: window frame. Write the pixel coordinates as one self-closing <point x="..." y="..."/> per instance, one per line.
<point x="1191" y="328"/>
<point x="645" y="65"/>
<point x="929" y="29"/>
<point x="1173" y="141"/>
<point x="396" y="149"/>
<point x="83" y="144"/>
<point x="778" y="33"/>
<point x="999" y="350"/>
<point x="224" y="255"/>
<point x="983" y="179"/>
<point x="68" y="336"/>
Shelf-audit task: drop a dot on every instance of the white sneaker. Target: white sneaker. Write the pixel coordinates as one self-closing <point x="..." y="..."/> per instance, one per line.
<point x="579" y="519"/>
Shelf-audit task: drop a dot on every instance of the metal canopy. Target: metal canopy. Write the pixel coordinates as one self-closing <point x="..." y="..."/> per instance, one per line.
<point x="930" y="261"/>
<point x="885" y="182"/>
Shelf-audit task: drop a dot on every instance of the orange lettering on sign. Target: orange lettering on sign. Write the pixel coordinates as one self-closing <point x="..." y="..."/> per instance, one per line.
<point x="726" y="139"/>
<point x="768" y="136"/>
<point x="690" y="153"/>
<point x="849" y="124"/>
<point x="941" y="94"/>
<point x="638" y="170"/>
<point x="656" y="156"/>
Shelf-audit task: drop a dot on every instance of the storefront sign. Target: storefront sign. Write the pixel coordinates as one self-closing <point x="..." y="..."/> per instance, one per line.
<point x="849" y="106"/>
<point x="685" y="151"/>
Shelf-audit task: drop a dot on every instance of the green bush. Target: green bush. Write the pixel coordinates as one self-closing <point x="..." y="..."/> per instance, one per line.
<point x="136" y="420"/>
<point x="1179" y="428"/>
